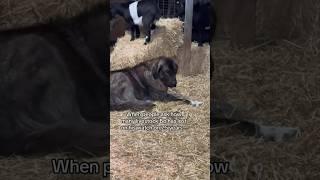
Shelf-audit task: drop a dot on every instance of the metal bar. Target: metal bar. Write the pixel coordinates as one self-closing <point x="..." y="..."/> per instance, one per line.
<point x="187" y="37"/>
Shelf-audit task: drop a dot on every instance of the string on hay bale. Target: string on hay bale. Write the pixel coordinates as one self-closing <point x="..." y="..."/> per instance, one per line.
<point x="24" y="13"/>
<point x="165" y="41"/>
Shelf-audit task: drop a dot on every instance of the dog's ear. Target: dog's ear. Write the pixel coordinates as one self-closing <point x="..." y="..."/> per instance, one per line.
<point x="156" y="68"/>
<point x="175" y="67"/>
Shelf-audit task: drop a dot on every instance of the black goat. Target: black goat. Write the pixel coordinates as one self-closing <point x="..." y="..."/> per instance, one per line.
<point x="142" y="13"/>
<point x="54" y="86"/>
<point x="201" y="21"/>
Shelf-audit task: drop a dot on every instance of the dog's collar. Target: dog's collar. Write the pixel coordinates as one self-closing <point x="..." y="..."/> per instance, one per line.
<point x="135" y="76"/>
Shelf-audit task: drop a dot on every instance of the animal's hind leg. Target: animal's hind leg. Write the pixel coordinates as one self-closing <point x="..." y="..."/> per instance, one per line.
<point x="153" y="26"/>
<point x="137" y="31"/>
<point x="133" y="105"/>
<point x="130" y="101"/>
<point x="147" y="21"/>
<point x="141" y="104"/>
<point x="132" y="32"/>
<point x="199" y="33"/>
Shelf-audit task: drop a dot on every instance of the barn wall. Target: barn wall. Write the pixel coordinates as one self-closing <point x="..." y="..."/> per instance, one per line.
<point x="236" y="20"/>
<point x="288" y="18"/>
<point x="275" y="19"/>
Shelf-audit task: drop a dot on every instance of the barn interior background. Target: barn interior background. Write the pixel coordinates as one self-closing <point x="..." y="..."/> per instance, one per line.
<point x="23" y="13"/>
<point x="163" y="154"/>
<point x="250" y="20"/>
<point x="266" y="58"/>
<point x="277" y="81"/>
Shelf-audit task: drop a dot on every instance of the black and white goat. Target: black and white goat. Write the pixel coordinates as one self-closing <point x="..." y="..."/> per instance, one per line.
<point x="142" y="13"/>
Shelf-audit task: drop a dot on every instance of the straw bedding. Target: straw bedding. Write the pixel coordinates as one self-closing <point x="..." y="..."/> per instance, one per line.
<point x="39" y="168"/>
<point x="178" y="154"/>
<point x="181" y="154"/>
<point x="165" y="41"/>
<point x="17" y="13"/>
<point x="275" y="85"/>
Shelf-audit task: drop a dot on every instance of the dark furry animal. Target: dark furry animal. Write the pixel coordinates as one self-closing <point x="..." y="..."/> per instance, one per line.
<point x="118" y="26"/>
<point x="203" y="20"/>
<point x="137" y="87"/>
<point x="225" y="114"/>
<point x="53" y="86"/>
<point x="137" y="14"/>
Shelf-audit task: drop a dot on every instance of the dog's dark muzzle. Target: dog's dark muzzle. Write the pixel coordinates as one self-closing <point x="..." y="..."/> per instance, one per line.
<point x="172" y="84"/>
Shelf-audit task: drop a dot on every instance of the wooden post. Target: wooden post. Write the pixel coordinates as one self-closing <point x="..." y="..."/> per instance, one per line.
<point x="186" y="61"/>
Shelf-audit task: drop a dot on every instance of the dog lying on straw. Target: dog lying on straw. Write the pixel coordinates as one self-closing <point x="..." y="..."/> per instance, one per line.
<point x="136" y="87"/>
<point x="225" y="114"/>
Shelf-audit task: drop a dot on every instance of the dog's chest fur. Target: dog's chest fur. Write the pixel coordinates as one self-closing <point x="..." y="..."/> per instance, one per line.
<point x="136" y="76"/>
<point x="143" y="84"/>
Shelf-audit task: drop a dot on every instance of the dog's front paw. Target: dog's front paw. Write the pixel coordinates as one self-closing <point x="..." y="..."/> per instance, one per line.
<point x="149" y="104"/>
<point x="196" y="103"/>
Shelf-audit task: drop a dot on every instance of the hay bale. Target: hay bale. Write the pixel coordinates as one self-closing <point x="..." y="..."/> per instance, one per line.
<point x="18" y="14"/>
<point x="165" y="41"/>
<point x="200" y="58"/>
<point x="170" y="154"/>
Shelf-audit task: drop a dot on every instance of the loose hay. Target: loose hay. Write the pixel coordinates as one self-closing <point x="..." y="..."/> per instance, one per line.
<point x="23" y="13"/>
<point x="180" y="154"/>
<point x="39" y="168"/>
<point x="276" y="85"/>
<point x="165" y="41"/>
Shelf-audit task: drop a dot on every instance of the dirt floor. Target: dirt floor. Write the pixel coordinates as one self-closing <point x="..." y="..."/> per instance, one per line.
<point x="176" y="154"/>
<point x="276" y="84"/>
